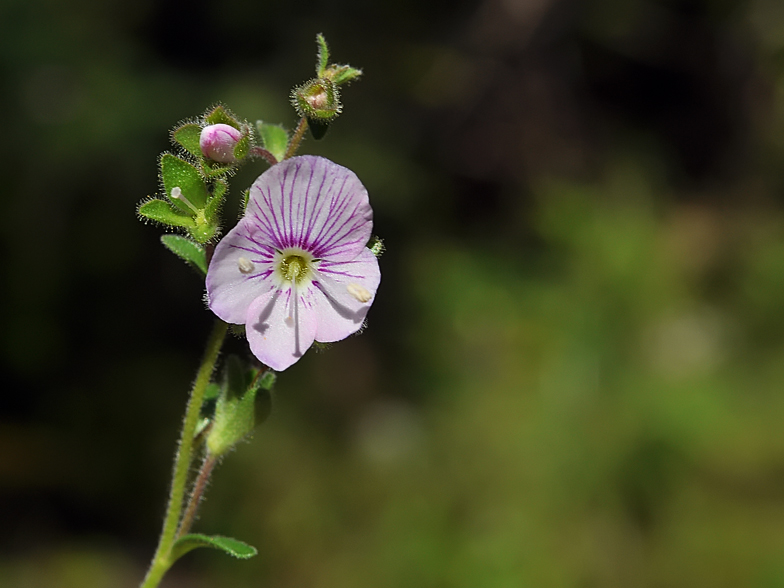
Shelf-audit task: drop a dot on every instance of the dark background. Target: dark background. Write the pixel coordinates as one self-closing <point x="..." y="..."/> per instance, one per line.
<point x="572" y="375"/>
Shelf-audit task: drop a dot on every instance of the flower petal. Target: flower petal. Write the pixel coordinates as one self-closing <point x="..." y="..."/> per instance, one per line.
<point x="314" y="204"/>
<point x="278" y="332"/>
<point x="232" y="284"/>
<point x="339" y="312"/>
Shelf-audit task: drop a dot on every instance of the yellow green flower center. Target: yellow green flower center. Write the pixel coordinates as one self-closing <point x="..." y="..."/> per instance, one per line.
<point x="294" y="268"/>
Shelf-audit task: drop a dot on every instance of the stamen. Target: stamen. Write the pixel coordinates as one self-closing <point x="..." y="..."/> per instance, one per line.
<point x="245" y="265"/>
<point x="361" y="293"/>
<point x="176" y="194"/>
<point x="293" y="321"/>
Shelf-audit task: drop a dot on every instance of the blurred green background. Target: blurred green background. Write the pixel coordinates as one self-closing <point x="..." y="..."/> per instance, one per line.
<point x="572" y="375"/>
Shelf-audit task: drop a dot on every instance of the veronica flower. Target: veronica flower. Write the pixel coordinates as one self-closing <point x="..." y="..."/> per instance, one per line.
<point x="296" y="267"/>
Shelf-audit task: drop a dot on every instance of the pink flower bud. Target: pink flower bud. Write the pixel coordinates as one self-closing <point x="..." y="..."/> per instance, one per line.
<point x="217" y="142"/>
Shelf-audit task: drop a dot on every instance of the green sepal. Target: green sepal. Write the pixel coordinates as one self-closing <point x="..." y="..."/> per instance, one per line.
<point x="274" y="138"/>
<point x="216" y="201"/>
<point x="176" y="172"/>
<point x="376" y="246"/>
<point x="212" y="391"/>
<point x="187" y="250"/>
<point x="242" y="147"/>
<point x="322" y="58"/>
<point x="204" y="228"/>
<point x="219" y="115"/>
<point x="213" y="169"/>
<point x="318" y="128"/>
<point x="245" y="198"/>
<point x="342" y="74"/>
<point x="165" y="213"/>
<point x="188" y="136"/>
<point x="233" y="547"/>
<point x="244" y="402"/>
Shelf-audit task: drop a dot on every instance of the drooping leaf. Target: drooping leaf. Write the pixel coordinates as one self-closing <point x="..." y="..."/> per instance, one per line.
<point x="165" y="213"/>
<point x="177" y="173"/>
<point x="233" y="547"/>
<point x="188" y="136"/>
<point x="187" y="250"/>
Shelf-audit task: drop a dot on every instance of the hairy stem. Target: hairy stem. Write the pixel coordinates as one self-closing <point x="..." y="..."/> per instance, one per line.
<point x="161" y="561"/>
<point x="198" y="492"/>
<point x="297" y="138"/>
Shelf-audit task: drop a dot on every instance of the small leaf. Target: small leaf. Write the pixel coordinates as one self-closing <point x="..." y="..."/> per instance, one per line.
<point x="274" y="139"/>
<point x="177" y="173"/>
<point x="231" y="546"/>
<point x="188" y="136"/>
<point x="163" y="212"/>
<point x="187" y="250"/>
<point x="323" y="55"/>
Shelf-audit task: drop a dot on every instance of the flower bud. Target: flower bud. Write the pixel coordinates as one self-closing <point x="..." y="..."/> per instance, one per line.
<point x="218" y="141"/>
<point x="318" y="100"/>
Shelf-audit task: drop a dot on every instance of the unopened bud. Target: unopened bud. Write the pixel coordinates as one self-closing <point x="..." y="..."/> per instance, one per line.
<point x="317" y="100"/>
<point x="218" y="141"/>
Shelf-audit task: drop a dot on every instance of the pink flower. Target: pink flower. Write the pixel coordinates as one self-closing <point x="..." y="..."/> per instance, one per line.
<point x="296" y="267"/>
<point x="218" y="141"/>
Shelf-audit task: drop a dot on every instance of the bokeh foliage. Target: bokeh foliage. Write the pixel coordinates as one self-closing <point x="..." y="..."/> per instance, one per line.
<point x="573" y="372"/>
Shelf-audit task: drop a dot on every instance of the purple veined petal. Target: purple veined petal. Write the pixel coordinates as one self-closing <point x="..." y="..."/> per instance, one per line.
<point x="339" y="311"/>
<point x="315" y="204"/>
<point x="274" y="335"/>
<point x="240" y="271"/>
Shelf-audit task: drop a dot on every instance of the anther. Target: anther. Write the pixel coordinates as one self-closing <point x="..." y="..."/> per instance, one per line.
<point x="361" y="293"/>
<point x="176" y="194"/>
<point x="246" y="265"/>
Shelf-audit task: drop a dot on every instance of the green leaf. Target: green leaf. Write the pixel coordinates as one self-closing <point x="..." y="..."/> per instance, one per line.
<point x="219" y="115"/>
<point x="165" y="213"/>
<point x="323" y="55"/>
<point x="187" y="250"/>
<point x="231" y="546"/>
<point x="274" y="139"/>
<point x="178" y="173"/>
<point x="188" y="136"/>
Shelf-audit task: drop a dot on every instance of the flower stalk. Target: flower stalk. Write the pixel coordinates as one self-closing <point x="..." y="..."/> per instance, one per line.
<point x="297" y="138"/>
<point x="199" y="486"/>
<point x="162" y="561"/>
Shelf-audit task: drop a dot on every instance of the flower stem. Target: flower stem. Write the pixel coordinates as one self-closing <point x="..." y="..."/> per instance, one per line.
<point x="161" y="561"/>
<point x="198" y="491"/>
<point x="297" y="138"/>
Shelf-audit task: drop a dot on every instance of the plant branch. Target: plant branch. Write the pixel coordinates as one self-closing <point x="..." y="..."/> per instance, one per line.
<point x="161" y="561"/>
